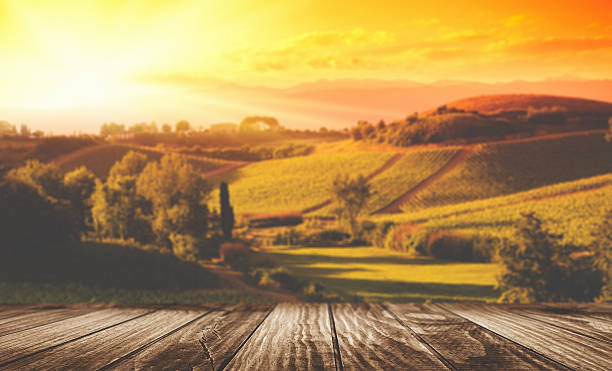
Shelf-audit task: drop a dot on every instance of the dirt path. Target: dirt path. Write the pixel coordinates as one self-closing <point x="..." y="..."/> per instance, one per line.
<point x="394" y="206"/>
<point x="392" y="161"/>
<point x="232" y="280"/>
<point x="63" y="159"/>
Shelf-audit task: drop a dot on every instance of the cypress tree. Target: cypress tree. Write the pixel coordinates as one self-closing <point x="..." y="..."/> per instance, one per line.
<point x="227" y="212"/>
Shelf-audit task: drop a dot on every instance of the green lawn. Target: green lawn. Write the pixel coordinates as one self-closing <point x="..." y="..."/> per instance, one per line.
<point x="381" y="275"/>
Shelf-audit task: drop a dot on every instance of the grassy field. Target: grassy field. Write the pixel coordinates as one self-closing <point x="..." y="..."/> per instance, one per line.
<point x="295" y="183"/>
<point x="100" y="160"/>
<point x="503" y="169"/>
<point x="375" y="274"/>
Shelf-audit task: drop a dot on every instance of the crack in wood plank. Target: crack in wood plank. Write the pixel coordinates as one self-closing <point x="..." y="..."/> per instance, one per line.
<point x="332" y="325"/>
<point x="229" y="359"/>
<point x="143" y="347"/>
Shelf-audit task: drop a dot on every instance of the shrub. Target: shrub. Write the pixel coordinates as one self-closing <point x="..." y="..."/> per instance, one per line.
<point x="235" y="254"/>
<point x="276" y="220"/>
<point x="413" y="242"/>
<point x="325" y="237"/>
<point x="288" y="237"/>
<point x="277" y="278"/>
<point x="185" y="247"/>
<point x="537" y="267"/>
<point x="450" y="246"/>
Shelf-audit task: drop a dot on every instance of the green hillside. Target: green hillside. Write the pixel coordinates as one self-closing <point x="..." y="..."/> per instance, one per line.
<point x="295" y="183"/>
<point x="502" y="169"/>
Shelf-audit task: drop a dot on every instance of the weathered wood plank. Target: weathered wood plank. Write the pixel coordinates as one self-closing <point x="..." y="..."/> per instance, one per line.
<point x="99" y="349"/>
<point x="183" y="350"/>
<point x="602" y="311"/>
<point x="466" y="345"/>
<point x="28" y="342"/>
<point x="370" y="338"/>
<point x="575" y="351"/>
<point x="294" y="336"/>
<point x="589" y="326"/>
<point x="37" y="318"/>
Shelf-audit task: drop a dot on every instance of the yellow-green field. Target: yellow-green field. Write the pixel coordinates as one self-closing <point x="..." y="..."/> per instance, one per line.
<point x="502" y="169"/>
<point x="411" y="169"/>
<point x="295" y="183"/>
<point x="375" y="274"/>
<point x="575" y="215"/>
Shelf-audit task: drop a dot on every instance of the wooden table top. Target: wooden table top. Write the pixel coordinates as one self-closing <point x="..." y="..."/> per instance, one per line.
<point x="290" y="336"/>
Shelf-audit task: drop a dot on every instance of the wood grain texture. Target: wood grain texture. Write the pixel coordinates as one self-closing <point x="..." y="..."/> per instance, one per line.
<point x="183" y="351"/>
<point x="99" y="349"/>
<point x="294" y="336"/>
<point x="22" y="344"/>
<point x="589" y="326"/>
<point x="466" y="345"/>
<point x="575" y="351"/>
<point x="37" y="318"/>
<point x="370" y="338"/>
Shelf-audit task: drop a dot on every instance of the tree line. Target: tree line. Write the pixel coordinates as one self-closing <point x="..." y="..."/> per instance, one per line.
<point x="161" y="203"/>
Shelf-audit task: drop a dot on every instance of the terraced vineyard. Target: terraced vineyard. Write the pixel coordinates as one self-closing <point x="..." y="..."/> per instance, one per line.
<point x="410" y="170"/>
<point x="575" y="212"/>
<point x="100" y="159"/>
<point x="294" y="183"/>
<point x="502" y="169"/>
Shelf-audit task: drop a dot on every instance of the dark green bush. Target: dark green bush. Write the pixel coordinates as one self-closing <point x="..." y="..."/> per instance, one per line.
<point x="276" y="278"/>
<point x="276" y="220"/>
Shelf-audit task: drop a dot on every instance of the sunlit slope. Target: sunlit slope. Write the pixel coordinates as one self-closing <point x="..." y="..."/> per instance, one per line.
<point x="295" y="183"/>
<point x="100" y="159"/>
<point x="502" y="169"/>
<point x="522" y="102"/>
<point x="409" y="171"/>
<point x="573" y="209"/>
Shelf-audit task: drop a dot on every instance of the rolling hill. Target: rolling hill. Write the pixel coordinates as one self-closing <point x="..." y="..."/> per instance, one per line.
<point x="99" y="159"/>
<point x="522" y="102"/>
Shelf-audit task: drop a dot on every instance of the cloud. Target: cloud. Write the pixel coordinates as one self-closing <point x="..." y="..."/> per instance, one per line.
<point x="317" y="50"/>
<point x="561" y="45"/>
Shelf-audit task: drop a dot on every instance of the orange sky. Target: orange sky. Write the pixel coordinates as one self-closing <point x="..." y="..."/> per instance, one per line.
<point x="84" y="55"/>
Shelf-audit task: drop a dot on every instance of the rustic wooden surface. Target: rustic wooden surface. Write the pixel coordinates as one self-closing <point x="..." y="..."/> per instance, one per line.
<point x="454" y="336"/>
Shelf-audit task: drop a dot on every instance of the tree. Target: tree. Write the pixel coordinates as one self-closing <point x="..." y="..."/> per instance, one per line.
<point x="166" y="128"/>
<point x="118" y="210"/>
<point x="38" y="134"/>
<point x="227" y="212"/>
<point x="80" y="184"/>
<point x="25" y="131"/>
<point x="182" y="126"/>
<point x="538" y="267"/>
<point x="47" y="179"/>
<point x="602" y="238"/>
<point x="351" y="196"/>
<point x="31" y="224"/>
<point x="250" y="123"/>
<point x="177" y="194"/>
<point x="131" y="164"/>
<point x="7" y="129"/>
<point x="609" y="134"/>
<point x="111" y="128"/>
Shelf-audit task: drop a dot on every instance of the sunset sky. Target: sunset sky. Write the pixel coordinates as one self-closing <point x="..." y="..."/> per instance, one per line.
<point x="112" y="60"/>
